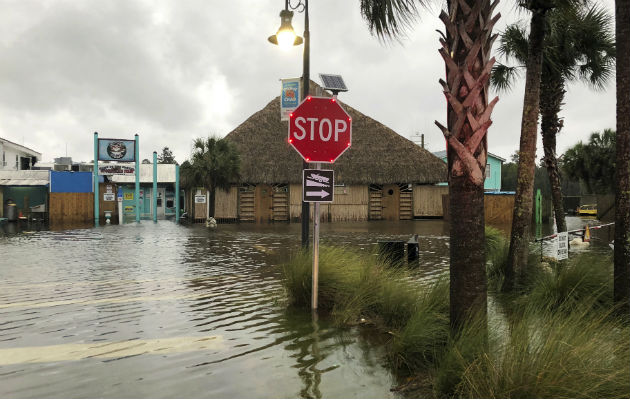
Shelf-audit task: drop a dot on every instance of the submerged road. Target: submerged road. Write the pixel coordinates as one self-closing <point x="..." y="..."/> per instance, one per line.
<point x="160" y="310"/>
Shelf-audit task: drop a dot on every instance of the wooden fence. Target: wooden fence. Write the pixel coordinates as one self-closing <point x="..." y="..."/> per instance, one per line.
<point x="427" y="200"/>
<point x="498" y="209"/>
<point x="71" y="207"/>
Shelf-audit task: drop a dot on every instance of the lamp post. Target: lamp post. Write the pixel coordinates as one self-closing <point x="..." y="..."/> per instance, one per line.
<point x="286" y="37"/>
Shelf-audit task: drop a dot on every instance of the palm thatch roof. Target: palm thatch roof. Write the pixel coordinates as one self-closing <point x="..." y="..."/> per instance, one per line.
<point x="378" y="154"/>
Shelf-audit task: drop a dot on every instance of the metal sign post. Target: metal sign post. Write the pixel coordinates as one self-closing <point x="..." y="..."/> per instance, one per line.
<point x="317" y="187"/>
<point x="320" y="130"/>
<point x="315" y="251"/>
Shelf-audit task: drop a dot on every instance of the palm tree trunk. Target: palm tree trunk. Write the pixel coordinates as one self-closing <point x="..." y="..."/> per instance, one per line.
<point x="523" y="200"/>
<point x="466" y="51"/>
<point x="622" y="198"/>
<point x="551" y="96"/>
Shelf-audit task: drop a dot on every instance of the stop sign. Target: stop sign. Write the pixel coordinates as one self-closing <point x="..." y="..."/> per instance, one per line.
<point x="320" y="130"/>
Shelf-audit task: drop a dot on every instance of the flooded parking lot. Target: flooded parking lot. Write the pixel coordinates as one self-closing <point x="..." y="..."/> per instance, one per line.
<point x="161" y="310"/>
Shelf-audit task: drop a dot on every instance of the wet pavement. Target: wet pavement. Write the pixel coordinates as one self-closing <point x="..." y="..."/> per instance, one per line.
<point x="161" y="310"/>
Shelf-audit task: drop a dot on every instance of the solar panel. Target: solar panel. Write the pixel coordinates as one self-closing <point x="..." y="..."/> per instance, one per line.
<point x="333" y="82"/>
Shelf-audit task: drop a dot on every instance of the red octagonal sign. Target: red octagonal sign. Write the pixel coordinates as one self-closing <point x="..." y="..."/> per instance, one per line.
<point x="320" y="130"/>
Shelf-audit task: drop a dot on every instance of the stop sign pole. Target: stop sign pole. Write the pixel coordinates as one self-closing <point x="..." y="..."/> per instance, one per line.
<point x="320" y="130"/>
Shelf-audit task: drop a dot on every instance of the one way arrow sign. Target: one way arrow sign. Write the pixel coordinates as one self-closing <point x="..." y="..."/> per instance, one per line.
<point x="318" y="185"/>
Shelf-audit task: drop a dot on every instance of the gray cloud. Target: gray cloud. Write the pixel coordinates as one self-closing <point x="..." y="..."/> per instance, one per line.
<point x="175" y="70"/>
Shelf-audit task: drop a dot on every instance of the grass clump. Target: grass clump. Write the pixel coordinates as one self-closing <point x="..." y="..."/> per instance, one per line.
<point x="422" y="340"/>
<point x="551" y="355"/>
<point x="352" y="285"/>
<point x="565" y="285"/>
<point x="557" y="336"/>
<point x="497" y="247"/>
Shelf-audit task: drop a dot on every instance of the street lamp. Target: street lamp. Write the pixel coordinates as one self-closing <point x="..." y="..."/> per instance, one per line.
<point x="284" y="35"/>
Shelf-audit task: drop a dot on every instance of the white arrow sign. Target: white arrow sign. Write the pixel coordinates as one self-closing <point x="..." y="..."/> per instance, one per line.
<point x="313" y="183"/>
<point x="321" y="193"/>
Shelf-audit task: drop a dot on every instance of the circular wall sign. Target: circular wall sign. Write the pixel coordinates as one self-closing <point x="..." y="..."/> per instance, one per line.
<point x="116" y="150"/>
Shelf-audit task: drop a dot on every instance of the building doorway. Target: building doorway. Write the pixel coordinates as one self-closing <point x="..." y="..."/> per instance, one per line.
<point x="391" y="202"/>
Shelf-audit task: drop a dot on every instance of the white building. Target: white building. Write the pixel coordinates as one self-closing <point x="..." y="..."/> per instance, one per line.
<point x="16" y="157"/>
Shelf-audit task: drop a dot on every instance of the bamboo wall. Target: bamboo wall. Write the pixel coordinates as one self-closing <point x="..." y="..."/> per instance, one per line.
<point x="350" y="204"/>
<point x="226" y="203"/>
<point x="71" y="207"/>
<point x="427" y="200"/>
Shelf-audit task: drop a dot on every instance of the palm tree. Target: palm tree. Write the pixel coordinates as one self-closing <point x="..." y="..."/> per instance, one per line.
<point x="465" y="48"/>
<point x="579" y="45"/>
<point x="523" y="200"/>
<point x="622" y="198"/>
<point x="215" y="163"/>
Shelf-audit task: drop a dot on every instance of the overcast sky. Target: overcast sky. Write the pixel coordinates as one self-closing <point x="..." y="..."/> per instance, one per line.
<point x="172" y="71"/>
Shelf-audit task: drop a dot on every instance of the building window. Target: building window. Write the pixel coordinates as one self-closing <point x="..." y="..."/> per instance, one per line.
<point x="4" y="159"/>
<point x="17" y="162"/>
<point x="488" y="171"/>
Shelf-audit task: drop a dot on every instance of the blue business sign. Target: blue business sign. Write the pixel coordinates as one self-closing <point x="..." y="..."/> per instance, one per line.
<point x="116" y="150"/>
<point x="290" y="97"/>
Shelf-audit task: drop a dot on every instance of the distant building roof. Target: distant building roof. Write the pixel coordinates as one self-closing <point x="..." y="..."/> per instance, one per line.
<point x="23" y="148"/>
<point x="442" y="154"/>
<point x="24" y="178"/>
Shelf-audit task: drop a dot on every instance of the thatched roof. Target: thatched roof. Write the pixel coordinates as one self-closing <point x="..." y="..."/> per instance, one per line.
<point x="378" y="154"/>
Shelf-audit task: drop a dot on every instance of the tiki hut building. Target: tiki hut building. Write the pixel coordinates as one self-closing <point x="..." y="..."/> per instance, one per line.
<point x="382" y="176"/>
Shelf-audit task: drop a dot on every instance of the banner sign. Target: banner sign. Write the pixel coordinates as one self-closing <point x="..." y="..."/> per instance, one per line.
<point x="290" y="97"/>
<point x="116" y="150"/>
<point x="109" y="197"/>
<point x="115" y="169"/>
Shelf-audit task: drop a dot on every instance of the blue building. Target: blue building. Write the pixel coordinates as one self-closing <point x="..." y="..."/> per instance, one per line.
<point x="493" y="171"/>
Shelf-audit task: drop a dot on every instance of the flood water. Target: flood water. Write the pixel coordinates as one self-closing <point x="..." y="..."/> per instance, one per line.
<point x="161" y="310"/>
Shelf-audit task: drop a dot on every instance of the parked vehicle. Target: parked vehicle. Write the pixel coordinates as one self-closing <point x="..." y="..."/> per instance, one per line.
<point x="587" y="209"/>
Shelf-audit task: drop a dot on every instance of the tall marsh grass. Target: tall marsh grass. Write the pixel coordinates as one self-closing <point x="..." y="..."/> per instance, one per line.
<point x="352" y="285"/>
<point x="557" y="337"/>
<point x="584" y="279"/>
<point x="550" y="355"/>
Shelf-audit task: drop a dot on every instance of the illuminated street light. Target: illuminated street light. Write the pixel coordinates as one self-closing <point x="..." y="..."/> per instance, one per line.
<point x="285" y="26"/>
<point x="286" y="37"/>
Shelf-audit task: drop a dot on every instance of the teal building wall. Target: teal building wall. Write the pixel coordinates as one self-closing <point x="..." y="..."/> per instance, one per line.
<point x="493" y="171"/>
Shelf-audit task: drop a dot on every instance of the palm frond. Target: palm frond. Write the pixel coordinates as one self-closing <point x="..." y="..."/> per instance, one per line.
<point x="504" y="76"/>
<point x="514" y="43"/>
<point x="389" y="19"/>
